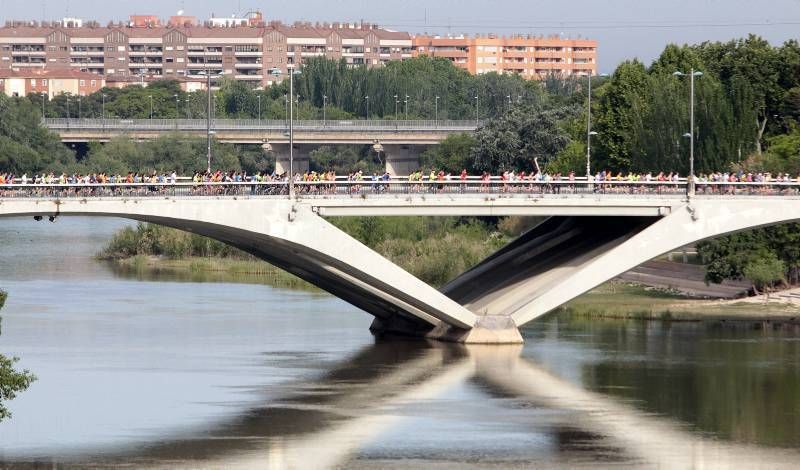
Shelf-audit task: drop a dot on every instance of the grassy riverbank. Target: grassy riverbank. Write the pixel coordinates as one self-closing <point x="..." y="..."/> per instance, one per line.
<point x="627" y="301"/>
<point x="433" y="249"/>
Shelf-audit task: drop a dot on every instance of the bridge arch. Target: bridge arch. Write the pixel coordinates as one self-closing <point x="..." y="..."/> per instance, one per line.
<point x="293" y="238"/>
<point x="699" y="220"/>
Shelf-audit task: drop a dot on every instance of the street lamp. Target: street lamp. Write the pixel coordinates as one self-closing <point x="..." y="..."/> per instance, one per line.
<point x="477" y="114"/>
<point x="589" y="132"/>
<point x="209" y="105"/>
<point x="324" y="110"/>
<point x="436" y="111"/>
<point x="366" y="98"/>
<point x="589" y="154"/>
<point x="406" y="105"/>
<point x="692" y="74"/>
<point x="292" y="72"/>
<point x="67" y="107"/>
<point x="396" y="104"/>
<point x="259" y="110"/>
<point x="151" y="106"/>
<point x="44" y="95"/>
<point x="79" y="107"/>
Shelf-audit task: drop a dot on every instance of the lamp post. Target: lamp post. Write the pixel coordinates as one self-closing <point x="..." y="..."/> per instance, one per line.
<point x="79" y="107"/>
<point x="67" y="107"/>
<point x="477" y="113"/>
<point x="292" y="72"/>
<point x="436" y="111"/>
<point x="209" y="107"/>
<point x="103" y="96"/>
<point x="324" y="110"/>
<point x="177" y="110"/>
<point x="692" y="74"/>
<point x="259" y="110"/>
<point x="44" y="95"/>
<point x="406" y="106"/>
<point x="589" y="132"/>
<point x="151" y="106"/>
<point x="396" y="104"/>
<point x="366" y="98"/>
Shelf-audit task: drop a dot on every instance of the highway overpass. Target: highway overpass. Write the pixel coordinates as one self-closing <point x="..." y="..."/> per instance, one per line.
<point x="401" y="141"/>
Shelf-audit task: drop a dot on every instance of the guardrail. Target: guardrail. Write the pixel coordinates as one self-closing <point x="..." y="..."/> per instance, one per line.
<point x="400" y="186"/>
<point x="246" y="125"/>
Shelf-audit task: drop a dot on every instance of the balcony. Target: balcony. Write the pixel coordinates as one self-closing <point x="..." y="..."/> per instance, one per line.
<point x="249" y="77"/>
<point x="28" y="53"/>
<point x="247" y="65"/>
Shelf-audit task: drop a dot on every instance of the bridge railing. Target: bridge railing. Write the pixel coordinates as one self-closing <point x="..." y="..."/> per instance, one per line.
<point x="246" y="125"/>
<point x="368" y="188"/>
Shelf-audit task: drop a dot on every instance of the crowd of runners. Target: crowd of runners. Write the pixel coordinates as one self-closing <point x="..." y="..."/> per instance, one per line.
<point x="420" y="181"/>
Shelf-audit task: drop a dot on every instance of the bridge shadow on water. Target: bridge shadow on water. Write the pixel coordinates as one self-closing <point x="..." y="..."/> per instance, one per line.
<point x="326" y="421"/>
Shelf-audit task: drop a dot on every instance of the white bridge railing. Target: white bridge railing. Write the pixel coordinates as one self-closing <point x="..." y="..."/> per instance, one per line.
<point x="368" y="188"/>
<point x="255" y="125"/>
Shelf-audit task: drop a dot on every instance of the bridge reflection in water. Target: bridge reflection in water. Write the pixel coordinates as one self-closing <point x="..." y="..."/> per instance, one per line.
<point x="324" y="422"/>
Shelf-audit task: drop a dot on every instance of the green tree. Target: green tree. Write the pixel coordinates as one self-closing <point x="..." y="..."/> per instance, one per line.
<point x="453" y="154"/>
<point x="12" y="382"/>
<point x="764" y="272"/>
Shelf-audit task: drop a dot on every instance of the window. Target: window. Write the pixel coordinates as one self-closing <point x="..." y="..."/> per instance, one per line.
<point x="228" y="49"/>
<point x="120" y="48"/>
<point x="169" y="60"/>
<point x="94" y="83"/>
<point x="33" y="82"/>
<point x="44" y="82"/>
<point x="169" y="48"/>
<point x="82" y="83"/>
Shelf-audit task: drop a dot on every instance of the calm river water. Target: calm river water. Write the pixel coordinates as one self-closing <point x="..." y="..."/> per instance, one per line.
<point x="155" y="372"/>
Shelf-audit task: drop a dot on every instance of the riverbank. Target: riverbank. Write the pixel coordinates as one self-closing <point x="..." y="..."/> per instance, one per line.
<point x="209" y="269"/>
<point x="619" y="300"/>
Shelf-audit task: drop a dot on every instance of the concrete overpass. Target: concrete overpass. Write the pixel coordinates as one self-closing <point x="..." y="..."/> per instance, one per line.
<point x="594" y="233"/>
<point x="402" y="141"/>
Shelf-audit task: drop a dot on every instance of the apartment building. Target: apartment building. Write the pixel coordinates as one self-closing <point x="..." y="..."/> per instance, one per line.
<point x="145" y="48"/>
<point x="248" y="49"/>
<point x="531" y="57"/>
<point x="49" y="82"/>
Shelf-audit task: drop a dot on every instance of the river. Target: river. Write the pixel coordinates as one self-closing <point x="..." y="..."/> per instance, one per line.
<point x="173" y="372"/>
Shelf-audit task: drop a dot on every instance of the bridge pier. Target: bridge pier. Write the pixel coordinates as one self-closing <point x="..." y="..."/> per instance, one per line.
<point x="301" y="154"/>
<point x="401" y="160"/>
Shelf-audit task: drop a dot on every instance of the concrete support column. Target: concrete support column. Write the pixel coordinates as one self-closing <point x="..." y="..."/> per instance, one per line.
<point x="401" y="160"/>
<point x="302" y="157"/>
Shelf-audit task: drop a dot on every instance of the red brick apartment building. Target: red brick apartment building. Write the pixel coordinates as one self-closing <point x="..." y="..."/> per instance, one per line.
<point x="249" y="48"/>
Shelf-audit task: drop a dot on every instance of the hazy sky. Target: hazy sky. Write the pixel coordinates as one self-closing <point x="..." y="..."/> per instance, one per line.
<point x="625" y="28"/>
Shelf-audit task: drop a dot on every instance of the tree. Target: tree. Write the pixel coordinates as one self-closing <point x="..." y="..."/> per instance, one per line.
<point x="764" y="272"/>
<point x="616" y="122"/>
<point x="12" y="381"/>
<point x="515" y="140"/>
<point x="453" y="154"/>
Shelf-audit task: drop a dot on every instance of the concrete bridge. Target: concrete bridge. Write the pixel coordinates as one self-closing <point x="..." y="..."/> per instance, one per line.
<point x="594" y="233"/>
<point x="402" y="142"/>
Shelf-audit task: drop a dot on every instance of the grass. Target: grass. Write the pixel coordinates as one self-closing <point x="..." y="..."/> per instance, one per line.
<point x="212" y="269"/>
<point x="435" y="250"/>
<point x="625" y="301"/>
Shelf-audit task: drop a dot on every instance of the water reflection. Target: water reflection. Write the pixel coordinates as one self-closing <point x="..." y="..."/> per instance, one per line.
<point x="735" y="380"/>
<point x="326" y="422"/>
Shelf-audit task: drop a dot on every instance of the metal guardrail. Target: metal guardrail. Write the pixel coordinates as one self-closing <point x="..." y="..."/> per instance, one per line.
<point x="402" y="186"/>
<point x="247" y="125"/>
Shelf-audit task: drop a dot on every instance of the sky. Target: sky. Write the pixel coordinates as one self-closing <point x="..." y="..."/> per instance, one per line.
<point x="625" y="29"/>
